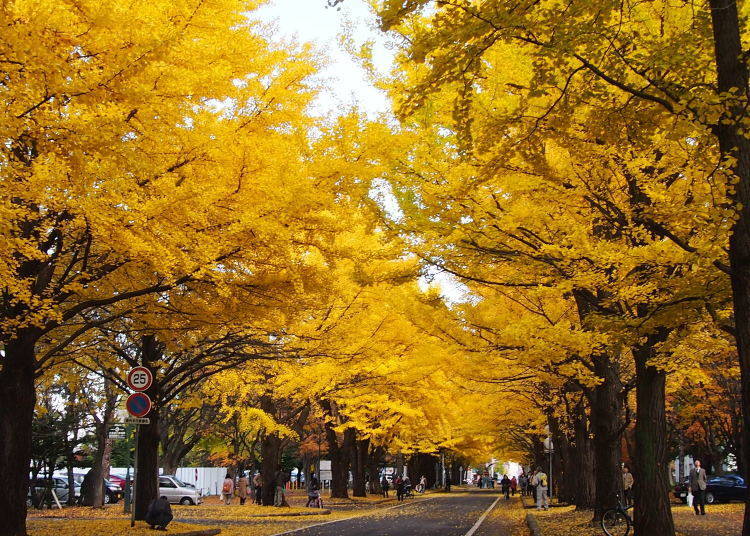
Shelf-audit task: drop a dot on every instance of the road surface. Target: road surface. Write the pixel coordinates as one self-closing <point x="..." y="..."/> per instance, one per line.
<point x="459" y="514"/>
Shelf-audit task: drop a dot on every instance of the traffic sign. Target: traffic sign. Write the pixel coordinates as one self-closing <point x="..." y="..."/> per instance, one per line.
<point x="137" y="420"/>
<point x="138" y="404"/>
<point x="116" y="431"/>
<point x="140" y="379"/>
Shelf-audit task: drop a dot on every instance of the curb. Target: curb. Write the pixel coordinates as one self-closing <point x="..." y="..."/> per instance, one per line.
<point x="533" y="525"/>
<point x="208" y="532"/>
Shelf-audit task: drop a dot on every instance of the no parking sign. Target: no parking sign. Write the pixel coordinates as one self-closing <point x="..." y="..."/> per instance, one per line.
<point x="138" y="404"/>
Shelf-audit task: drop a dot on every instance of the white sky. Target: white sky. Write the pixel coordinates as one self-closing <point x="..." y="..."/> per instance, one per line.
<point x="346" y="82"/>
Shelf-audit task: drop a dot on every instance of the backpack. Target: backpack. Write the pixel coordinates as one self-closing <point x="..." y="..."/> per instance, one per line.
<point x="227" y="488"/>
<point x="543" y="480"/>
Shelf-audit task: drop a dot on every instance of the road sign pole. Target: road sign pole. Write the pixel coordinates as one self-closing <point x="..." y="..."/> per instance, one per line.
<point x="134" y="489"/>
<point x="128" y="491"/>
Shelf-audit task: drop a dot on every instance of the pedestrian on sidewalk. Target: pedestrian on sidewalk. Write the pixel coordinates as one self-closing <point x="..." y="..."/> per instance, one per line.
<point x="532" y="487"/>
<point x="505" y="486"/>
<point x="279" y="498"/>
<point x="523" y="482"/>
<point x="227" y="489"/>
<point x="627" y="485"/>
<point x="258" y="488"/>
<point x="513" y="485"/>
<point x="540" y="481"/>
<point x="385" y="485"/>
<point x="698" y="483"/>
<point x="313" y="493"/>
<point x="242" y="487"/>
<point x="399" y="484"/>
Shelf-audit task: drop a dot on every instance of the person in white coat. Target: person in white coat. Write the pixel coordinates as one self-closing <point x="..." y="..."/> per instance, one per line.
<point x="540" y="480"/>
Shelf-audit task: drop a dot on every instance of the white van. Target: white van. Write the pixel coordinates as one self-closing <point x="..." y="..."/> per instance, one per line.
<point x="178" y="492"/>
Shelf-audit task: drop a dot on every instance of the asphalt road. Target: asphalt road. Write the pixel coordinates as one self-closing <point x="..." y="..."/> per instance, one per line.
<point x="443" y="515"/>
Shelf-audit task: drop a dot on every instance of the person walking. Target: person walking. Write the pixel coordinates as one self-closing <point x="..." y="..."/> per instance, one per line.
<point x="399" y="485"/>
<point x="505" y="487"/>
<point x="627" y="485"/>
<point x="385" y="485"/>
<point x="422" y="486"/>
<point x="523" y="482"/>
<point x="513" y="485"/>
<point x="258" y="488"/>
<point x="532" y="486"/>
<point x="242" y="488"/>
<point x="280" y="482"/>
<point x="313" y="493"/>
<point x="540" y="481"/>
<point x="227" y="489"/>
<point x="698" y="482"/>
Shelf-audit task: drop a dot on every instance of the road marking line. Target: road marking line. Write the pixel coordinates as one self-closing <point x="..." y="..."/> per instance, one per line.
<point x="473" y="529"/>
<point x="354" y="517"/>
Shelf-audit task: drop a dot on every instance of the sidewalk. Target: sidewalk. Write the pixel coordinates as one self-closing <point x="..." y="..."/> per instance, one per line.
<point x="722" y="520"/>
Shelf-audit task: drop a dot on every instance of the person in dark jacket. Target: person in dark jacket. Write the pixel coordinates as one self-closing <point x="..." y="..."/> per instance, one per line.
<point x="313" y="493"/>
<point x="399" y="483"/>
<point x="698" y="482"/>
<point x="159" y="513"/>
<point x="505" y="486"/>
<point x="384" y="485"/>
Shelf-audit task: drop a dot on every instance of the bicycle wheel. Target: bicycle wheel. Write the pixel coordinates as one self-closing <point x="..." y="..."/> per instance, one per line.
<point x="616" y="523"/>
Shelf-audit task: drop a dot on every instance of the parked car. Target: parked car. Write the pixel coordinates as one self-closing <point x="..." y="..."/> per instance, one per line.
<point x="117" y="480"/>
<point x="720" y="488"/>
<point x="178" y="492"/>
<point x="38" y="487"/>
<point x="113" y="492"/>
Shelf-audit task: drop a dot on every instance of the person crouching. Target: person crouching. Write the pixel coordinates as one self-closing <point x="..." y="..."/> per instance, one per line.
<point x="159" y="514"/>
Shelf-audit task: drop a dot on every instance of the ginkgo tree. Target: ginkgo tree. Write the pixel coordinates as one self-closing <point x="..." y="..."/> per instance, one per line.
<point x="139" y="139"/>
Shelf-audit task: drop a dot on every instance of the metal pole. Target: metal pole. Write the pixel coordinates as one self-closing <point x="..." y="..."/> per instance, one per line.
<point x="128" y="490"/>
<point x="134" y="490"/>
<point x="550" y="472"/>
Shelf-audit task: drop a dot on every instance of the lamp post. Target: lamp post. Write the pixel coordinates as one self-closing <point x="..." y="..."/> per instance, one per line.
<point x="549" y="448"/>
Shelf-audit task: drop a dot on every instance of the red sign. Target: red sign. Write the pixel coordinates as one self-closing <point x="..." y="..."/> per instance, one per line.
<point x="138" y="404"/>
<point x="140" y="379"/>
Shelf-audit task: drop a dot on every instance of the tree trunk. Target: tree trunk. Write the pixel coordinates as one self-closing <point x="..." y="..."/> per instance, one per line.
<point x="423" y="464"/>
<point x="340" y="460"/>
<point x="606" y="413"/>
<point x="373" y="467"/>
<point x="606" y="427"/>
<point x="585" y="492"/>
<point x="732" y="74"/>
<point x="147" y="470"/>
<point x="652" y="510"/>
<point x="360" y="452"/>
<point x="270" y="448"/>
<point x="17" y="401"/>
<point x="94" y="495"/>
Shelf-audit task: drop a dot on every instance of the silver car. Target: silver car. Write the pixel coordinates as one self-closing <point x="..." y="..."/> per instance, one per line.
<point x="38" y="487"/>
<point x="177" y="492"/>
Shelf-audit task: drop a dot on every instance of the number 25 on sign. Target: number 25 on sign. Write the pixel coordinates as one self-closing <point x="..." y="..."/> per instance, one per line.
<point x="140" y="379"/>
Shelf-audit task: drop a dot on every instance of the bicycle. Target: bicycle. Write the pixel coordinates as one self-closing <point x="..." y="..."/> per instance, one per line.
<point x="617" y="521"/>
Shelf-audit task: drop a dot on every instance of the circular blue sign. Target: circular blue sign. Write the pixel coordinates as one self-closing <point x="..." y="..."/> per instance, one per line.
<point x="138" y="404"/>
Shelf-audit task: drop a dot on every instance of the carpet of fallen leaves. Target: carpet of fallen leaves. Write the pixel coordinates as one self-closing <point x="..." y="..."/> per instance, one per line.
<point x="233" y="520"/>
<point x="99" y="527"/>
<point x="722" y="520"/>
<point x="235" y="511"/>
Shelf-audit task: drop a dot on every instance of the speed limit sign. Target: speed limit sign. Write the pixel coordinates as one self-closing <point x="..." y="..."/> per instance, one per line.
<point x="140" y="379"/>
